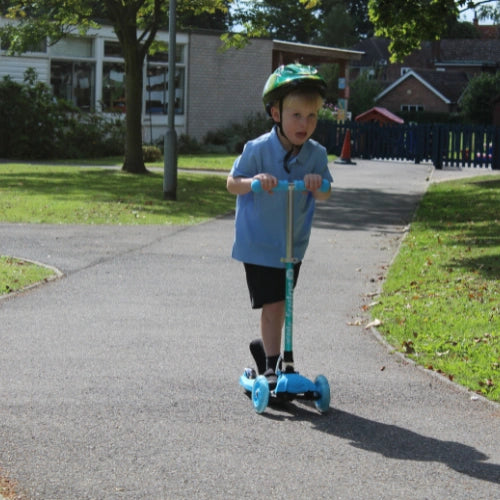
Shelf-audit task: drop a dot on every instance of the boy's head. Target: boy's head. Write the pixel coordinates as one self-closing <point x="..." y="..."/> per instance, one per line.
<point x="292" y="78"/>
<point x="293" y="95"/>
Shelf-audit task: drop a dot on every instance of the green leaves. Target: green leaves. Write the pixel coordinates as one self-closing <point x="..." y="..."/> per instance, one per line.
<point x="409" y="22"/>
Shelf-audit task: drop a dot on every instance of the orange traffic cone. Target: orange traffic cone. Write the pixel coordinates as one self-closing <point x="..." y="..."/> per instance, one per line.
<point x="345" y="155"/>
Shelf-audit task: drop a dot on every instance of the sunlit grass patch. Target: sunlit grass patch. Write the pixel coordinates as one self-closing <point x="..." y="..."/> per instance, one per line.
<point x="441" y="300"/>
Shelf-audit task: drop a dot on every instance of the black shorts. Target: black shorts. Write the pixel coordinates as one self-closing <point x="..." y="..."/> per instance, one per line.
<point x="266" y="285"/>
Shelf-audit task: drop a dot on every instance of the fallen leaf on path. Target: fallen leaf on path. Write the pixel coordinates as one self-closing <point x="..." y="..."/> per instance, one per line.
<point x="375" y="322"/>
<point x="356" y="322"/>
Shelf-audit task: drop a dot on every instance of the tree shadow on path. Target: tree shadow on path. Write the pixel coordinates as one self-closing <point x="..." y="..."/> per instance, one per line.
<point x="365" y="209"/>
<point x="392" y="441"/>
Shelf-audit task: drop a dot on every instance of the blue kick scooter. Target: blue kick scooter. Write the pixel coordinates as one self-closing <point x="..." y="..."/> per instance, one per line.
<point x="290" y="384"/>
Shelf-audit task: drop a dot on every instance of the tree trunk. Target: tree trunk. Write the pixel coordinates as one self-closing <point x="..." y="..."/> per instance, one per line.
<point x="134" y="162"/>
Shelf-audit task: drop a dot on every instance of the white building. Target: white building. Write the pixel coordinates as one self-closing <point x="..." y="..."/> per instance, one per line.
<point x="213" y="88"/>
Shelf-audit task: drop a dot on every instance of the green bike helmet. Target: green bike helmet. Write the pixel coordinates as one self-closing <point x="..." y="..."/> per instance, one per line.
<point x="291" y="77"/>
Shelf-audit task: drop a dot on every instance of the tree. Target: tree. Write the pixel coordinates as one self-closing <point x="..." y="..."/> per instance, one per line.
<point x="338" y="28"/>
<point x="363" y="93"/>
<point x="407" y="23"/>
<point x="461" y="29"/>
<point x="217" y="20"/>
<point x="358" y="9"/>
<point x="284" y="20"/>
<point x="476" y="102"/>
<point x="136" y="23"/>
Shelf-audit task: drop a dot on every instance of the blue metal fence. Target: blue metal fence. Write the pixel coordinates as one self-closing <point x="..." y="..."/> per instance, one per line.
<point x="443" y="144"/>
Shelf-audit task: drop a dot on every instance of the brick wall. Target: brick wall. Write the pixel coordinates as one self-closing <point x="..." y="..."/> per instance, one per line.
<point x="224" y="87"/>
<point x="412" y="92"/>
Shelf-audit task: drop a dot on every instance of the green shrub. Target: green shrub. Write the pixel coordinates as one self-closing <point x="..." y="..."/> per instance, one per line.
<point x="328" y="112"/>
<point x="90" y="135"/>
<point x="232" y="138"/>
<point x="151" y="154"/>
<point x="188" y="145"/>
<point x="28" y="118"/>
<point x="34" y="125"/>
<point x="477" y="99"/>
<point x="229" y="139"/>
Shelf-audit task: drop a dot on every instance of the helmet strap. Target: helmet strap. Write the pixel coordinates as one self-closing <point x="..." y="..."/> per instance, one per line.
<point x="294" y="148"/>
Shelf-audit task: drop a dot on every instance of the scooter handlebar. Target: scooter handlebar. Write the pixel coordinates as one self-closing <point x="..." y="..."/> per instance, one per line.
<point x="285" y="186"/>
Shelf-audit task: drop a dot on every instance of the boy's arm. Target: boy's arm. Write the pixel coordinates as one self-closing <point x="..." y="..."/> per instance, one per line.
<point x="243" y="185"/>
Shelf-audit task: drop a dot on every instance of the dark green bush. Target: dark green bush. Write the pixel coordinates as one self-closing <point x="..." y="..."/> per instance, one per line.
<point x="28" y="118"/>
<point x="232" y="138"/>
<point x="151" y="153"/>
<point x="188" y="145"/>
<point x="35" y="125"/>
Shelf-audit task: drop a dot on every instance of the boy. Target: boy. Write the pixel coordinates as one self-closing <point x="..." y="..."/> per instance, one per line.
<point x="292" y="96"/>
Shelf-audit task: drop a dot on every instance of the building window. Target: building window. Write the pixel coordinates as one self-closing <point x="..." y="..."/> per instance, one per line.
<point x="74" y="82"/>
<point x="156" y="92"/>
<point x="72" y="47"/>
<point x="33" y="48"/>
<point x="156" y="89"/>
<point x="412" y="107"/>
<point x="156" y="82"/>
<point x="113" y="49"/>
<point x="113" y="87"/>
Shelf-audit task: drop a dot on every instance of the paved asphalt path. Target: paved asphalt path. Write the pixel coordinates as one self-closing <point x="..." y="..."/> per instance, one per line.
<point x="120" y="380"/>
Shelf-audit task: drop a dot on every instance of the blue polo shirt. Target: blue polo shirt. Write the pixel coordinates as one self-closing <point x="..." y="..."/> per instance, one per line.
<point x="260" y="223"/>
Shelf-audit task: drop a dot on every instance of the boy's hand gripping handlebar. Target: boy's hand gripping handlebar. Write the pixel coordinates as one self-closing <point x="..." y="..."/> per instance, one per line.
<point x="286" y="186"/>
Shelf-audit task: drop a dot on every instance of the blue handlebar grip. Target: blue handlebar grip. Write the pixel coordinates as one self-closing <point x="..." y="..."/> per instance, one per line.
<point x="325" y="186"/>
<point x="256" y="186"/>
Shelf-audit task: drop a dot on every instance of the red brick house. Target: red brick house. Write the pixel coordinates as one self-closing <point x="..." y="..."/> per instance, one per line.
<point x="431" y="79"/>
<point x="425" y="90"/>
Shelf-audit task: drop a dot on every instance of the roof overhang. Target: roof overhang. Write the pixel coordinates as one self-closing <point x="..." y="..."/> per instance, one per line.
<point x="289" y="52"/>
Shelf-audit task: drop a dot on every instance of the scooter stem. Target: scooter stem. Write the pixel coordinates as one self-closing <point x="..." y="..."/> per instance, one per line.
<point x="289" y="262"/>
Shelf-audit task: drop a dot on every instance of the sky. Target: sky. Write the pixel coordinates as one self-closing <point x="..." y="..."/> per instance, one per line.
<point x="468" y="15"/>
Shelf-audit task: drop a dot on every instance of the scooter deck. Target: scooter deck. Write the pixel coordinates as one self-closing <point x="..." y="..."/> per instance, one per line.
<point x="288" y="386"/>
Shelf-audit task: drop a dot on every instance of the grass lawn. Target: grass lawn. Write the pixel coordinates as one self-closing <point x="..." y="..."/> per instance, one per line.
<point x="86" y="195"/>
<point x="441" y="301"/>
<point x="215" y="162"/>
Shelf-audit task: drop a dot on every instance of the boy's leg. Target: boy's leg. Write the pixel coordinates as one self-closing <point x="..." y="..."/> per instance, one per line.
<point x="271" y="324"/>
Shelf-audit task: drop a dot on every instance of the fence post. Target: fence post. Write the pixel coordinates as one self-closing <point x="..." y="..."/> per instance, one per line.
<point x="417" y="134"/>
<point x="437" y="157"/>
<point x="495" y="158"/>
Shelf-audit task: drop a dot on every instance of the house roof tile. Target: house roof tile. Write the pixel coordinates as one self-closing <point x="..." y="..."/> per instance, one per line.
<point x="447" y="85"/>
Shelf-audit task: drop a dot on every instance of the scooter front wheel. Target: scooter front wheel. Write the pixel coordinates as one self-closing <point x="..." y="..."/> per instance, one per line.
<point x="323" y="388"/>
<point x="260" y="394"/>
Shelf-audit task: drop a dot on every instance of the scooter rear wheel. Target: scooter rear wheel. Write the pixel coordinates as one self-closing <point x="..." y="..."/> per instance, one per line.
<point x="260" y="394"/>
<point x="323" y="388"/>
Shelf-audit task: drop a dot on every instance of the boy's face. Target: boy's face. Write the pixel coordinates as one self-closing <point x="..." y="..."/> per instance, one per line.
<point x="300" y="117"/>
